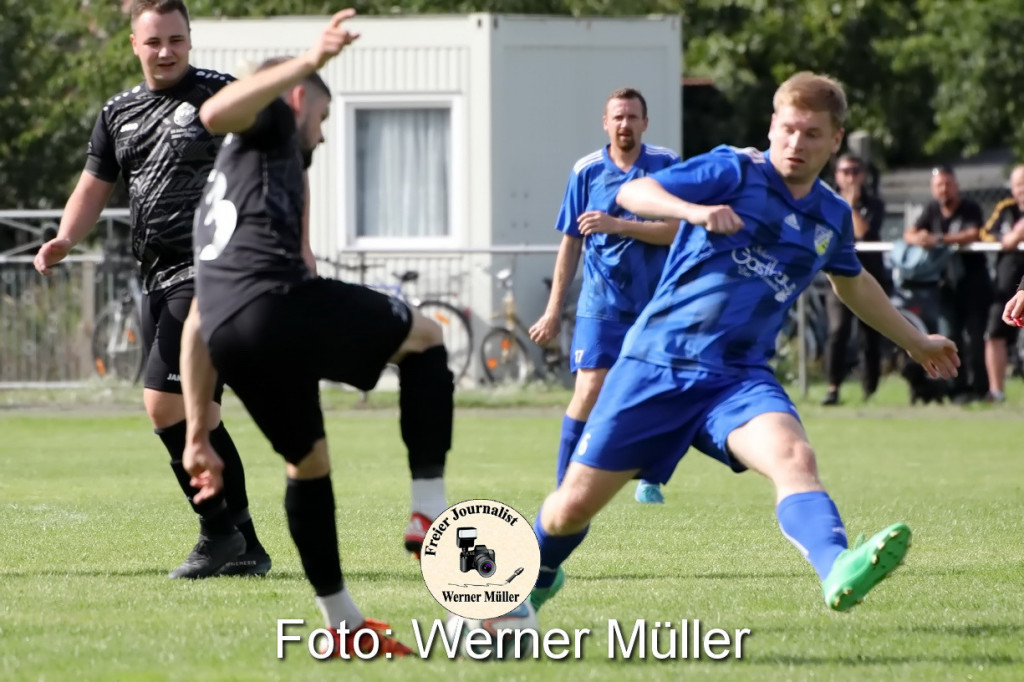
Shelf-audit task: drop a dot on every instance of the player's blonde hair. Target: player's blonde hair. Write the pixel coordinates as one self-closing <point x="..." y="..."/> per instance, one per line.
<point x="813" y="92"/>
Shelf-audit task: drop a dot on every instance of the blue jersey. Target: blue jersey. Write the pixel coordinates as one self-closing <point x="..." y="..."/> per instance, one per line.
<point x="619" y="273"/>
<point x="722" y="299"/>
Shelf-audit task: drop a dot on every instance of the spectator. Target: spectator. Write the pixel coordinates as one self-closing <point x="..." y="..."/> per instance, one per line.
<point x="963" y="295"/>
<point x="868" y="214"/>
<point x="1006" y="225"/>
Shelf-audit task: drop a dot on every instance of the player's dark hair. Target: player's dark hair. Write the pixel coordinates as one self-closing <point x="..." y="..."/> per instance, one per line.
<point x="851" y="158"/>
<point x="312" y="80"/>
<point x="160" y="7"/>
<point x="943" y="169"/>
<point x="628" y="93"/>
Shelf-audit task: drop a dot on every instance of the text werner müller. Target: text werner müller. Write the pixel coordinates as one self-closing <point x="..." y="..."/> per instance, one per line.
<point x="641" y="639"/>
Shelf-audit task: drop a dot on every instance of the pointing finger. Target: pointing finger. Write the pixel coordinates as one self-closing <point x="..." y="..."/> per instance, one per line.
<point x="341" y="16"/>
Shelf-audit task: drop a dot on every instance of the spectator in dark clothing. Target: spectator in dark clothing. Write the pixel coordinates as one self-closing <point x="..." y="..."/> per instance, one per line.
<point x="965" y="292"/>
<point x="868" y="213"/>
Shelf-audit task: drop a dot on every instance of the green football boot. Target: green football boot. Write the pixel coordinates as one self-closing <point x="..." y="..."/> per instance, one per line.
<point x="859" y="569"/>
<point x="539" y="595"/>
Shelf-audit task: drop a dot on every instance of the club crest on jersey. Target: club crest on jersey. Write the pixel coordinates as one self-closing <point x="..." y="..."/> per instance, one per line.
<point x="184" y="114"/>
<point x="822" y="238"/>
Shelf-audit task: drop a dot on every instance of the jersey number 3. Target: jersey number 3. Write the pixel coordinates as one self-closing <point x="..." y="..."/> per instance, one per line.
<point x="220" y="213"/>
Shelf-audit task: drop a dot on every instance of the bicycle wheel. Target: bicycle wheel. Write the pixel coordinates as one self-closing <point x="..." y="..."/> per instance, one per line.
<point x="117" y="349"/>
<point x="458" y="335"/>
<point x="504" y="357"/>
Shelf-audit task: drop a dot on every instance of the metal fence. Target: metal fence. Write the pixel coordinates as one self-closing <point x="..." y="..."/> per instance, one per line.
<point x="46" y="323"/>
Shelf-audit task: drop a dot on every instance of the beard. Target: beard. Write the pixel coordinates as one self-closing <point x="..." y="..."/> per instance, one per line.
<point x="626" y="144"/>
<point x="307" y="157"/>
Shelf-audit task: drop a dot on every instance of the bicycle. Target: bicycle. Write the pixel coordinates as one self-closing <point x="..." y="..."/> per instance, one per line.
<point x="503" y="354"/>
<point x="117" y="348"/>
<point x="455" y="326"/>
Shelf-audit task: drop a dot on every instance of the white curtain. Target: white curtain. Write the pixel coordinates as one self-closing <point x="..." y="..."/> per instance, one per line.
<point x="403" y="162"/>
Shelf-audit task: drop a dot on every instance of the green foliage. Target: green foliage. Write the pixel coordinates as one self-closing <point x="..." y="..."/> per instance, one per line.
<point x="924" y="77"/>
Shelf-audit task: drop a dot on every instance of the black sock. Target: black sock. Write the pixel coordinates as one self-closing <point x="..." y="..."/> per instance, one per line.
<point x="234" y="486"/>
<point x="214" y="513"/>
<point x="426" y="388"/>
<point x="309" y="504"/>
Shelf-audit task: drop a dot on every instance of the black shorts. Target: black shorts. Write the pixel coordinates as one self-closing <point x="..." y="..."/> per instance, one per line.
<point x="163" y="315"/>
<point x="274" y="352"/>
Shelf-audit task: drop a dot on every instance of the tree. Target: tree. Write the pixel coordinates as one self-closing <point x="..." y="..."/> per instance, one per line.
<point x="925" y="77"/>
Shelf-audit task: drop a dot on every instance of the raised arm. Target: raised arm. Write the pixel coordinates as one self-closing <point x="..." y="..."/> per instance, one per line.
<point x="647" y="198"/>
<point x="235" y="107"/>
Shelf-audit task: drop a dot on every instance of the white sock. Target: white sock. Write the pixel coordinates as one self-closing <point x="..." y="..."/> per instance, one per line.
<point x="339" y="607"/>
<point x="428" y="497"/>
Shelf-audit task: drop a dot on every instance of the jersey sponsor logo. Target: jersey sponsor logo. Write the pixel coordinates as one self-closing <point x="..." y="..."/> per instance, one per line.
<point x="791" y="221"/>
<point x="185" y="114"/>
<point x="754" y="261"/>
<point x="129" y="127"/>
<point x="822" y="238"/>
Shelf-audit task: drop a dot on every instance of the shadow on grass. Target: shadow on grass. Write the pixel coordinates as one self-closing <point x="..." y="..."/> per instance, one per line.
<point x="977" y="630"/>
<point x="866" y="660"/>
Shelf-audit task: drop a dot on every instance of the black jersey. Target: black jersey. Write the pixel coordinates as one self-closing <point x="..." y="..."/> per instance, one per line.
<point x="967" y="215"/>
<point x="248" y="227"/>
<point x="1009" y="264"/>
<point x="155" y="140"/>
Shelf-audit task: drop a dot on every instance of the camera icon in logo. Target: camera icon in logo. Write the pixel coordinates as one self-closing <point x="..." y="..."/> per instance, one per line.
<point x="479" y="557"/>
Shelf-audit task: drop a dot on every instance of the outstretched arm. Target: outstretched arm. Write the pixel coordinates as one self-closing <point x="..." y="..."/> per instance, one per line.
<point x="235" y="107"/>
<point x="198" y="380"/>
<point x="865" y="297"/>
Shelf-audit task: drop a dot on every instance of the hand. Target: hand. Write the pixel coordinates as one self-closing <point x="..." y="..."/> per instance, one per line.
<point x="937" y="355"/>
<point x="718" y="219"/>
<point x="593" y="222"/>
<point x="927" y="240"/>
<point x="1013" y="312"/>
<point x="852" y="194"/>
<point x="545" y="329"/>
<point x="334" y="38"/>
<point x="51" y="253"/>
<point x="206" y="468"/>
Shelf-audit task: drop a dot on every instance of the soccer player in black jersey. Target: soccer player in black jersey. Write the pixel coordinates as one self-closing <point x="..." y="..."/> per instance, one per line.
<point x="273" y="331"/>
<point x="151" y="136"/>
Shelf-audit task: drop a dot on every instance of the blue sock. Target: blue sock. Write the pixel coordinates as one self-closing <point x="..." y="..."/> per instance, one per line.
<point x="572" y="429"/>
<point x="554" y="549"/>
<point x="811" y="522"/>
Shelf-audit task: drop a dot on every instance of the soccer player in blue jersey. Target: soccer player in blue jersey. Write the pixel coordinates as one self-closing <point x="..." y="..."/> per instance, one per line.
<point x="755" y="229"/>
<point x="622" y="260"/>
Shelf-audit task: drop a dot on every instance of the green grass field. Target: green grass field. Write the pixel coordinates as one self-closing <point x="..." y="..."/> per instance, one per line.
<point x="91" y="521"/>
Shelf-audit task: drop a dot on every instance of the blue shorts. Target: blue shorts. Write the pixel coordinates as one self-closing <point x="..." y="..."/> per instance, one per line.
<point x="596" y="343"/>
<point x="647" y="416"/>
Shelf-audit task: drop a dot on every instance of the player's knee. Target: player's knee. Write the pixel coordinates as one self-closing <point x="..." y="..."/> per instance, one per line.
<point x="164" y="409"/>
<point x="424" y="334"/>
<point x="569" y="512"/>
<point x="797" y="458"/>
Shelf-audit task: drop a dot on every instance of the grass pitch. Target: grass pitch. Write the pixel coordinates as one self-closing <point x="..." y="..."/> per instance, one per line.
<point x="91" y="521"/>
